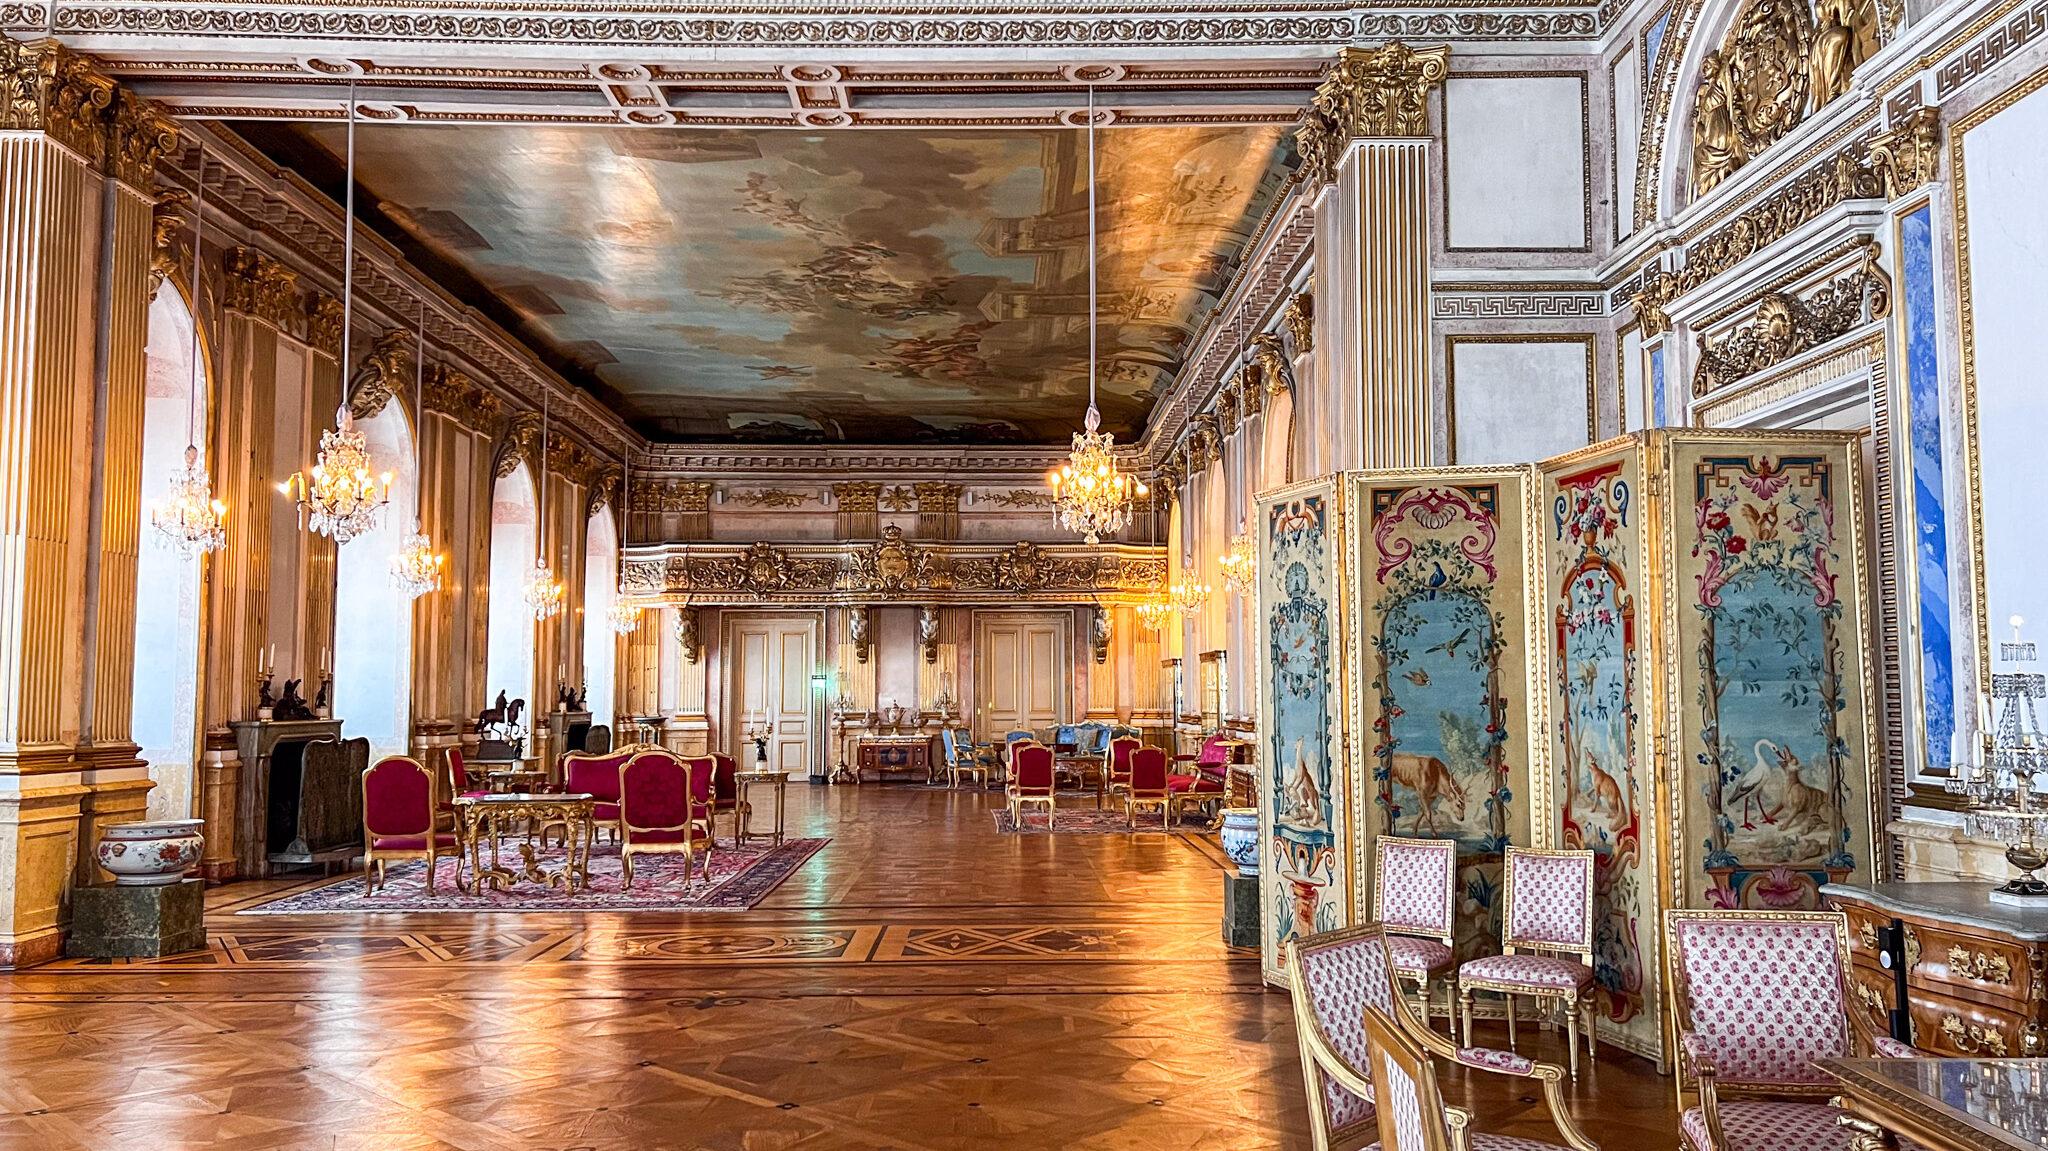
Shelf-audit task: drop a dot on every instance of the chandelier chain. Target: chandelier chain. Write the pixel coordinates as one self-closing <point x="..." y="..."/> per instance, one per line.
<point x="416" y="568"/>
<point x="189" y="518"/>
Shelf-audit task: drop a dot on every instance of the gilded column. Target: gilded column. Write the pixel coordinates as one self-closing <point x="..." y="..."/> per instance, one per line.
<point x="1365" y="139"/>
<point x="52" y="144"/>
<point x="118" y="780"/>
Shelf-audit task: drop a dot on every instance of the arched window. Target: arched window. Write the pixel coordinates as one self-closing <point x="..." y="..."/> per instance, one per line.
<point x="508" y="648"/>
<point x="167" y="583"/>
<point x="373" y="618"/>
<point x="600" y="592"/>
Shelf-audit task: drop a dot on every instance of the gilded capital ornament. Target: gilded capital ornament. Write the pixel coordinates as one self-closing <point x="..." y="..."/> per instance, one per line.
<point x="387" y="368"/>
<point x="1271" y="357"/>
<point x="56" y="91"/>
<point x="857" y="497"/>
<point x="165" y="220"/>
<point x="1908" y="155"/>
<point x="324" y="317"/>
<point x="520" y="444"/>
<point x="1299" y="317"/>
<point x="1375" y="93"/>
<point x="142" y="137"/>
<point x="264" y="288"/>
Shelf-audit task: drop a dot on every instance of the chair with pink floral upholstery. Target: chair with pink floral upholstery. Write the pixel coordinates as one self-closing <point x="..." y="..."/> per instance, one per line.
<point x="1413" y="893"/>
<point x="1757" y="997"/>
<point x="1337" y="977"/>
<point x="1412" y="1115"/>
<point x="1546" y="943"/>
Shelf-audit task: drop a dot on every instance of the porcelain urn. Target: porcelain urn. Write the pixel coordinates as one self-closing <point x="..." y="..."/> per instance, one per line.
<point x="151" y="852"/>
<point x="1241" y="839"/>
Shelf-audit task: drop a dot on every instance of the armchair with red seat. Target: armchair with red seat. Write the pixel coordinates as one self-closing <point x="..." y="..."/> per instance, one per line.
<point x="665" y="808"/>
<point x="458" y="784"/>
<point x="725" y="792"/>
<point x="1148" y="786"/>
<point x="598" y="777"/>
<point x="1032" y="780"/>
<point x="1119" y="760"/>
<point x="401" y="809"/>
<point x="1208" y="778"/>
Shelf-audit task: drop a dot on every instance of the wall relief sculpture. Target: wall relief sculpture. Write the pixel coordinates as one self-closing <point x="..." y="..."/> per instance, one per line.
<point x="1781" y="61"/>
<point x="892" y="566"/>
<point x="1786" y="325"/>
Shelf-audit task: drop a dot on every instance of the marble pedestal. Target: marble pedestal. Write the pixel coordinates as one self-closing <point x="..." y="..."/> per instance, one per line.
<point x="110" y="922"/>
<point x="1240" y="911"/>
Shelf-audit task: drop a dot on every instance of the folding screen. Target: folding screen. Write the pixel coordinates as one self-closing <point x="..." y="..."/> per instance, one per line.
<point x="1304" y="813"/>
<point x="1443" y="611"/>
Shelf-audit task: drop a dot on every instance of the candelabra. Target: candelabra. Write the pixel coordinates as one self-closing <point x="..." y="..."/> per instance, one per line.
<point x="756" y="733"/>
<point x="842" y="718"/>
<point x="1998" y="780"/>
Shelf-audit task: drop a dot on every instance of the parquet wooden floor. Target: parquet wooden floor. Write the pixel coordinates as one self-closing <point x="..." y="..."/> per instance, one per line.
<point x="923" y="984"/>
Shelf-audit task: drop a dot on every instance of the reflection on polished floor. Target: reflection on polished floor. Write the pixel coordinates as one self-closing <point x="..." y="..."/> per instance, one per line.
<point x="924" y="982"/>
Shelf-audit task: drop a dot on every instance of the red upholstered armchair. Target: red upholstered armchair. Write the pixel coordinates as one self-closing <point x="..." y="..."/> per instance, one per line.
<point x="665" y="809"/>
<point x="1149" y="784"/>
<point x="725" y="791"/>
<point x="401" y="801"/>
<point x="1119" y="759"/>
<point x="1209" y="774"/>
<point x="1032" y="780"/>
<point x="598" y="777"/>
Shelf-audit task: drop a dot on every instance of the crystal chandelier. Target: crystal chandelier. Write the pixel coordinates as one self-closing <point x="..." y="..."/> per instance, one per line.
<point x="1090" y="495"/>
<point x="188" y="517"/>
<point x="342" y="493"/>
<point x="1154" y="613"/>
<point x="544" y="593"/>
<point x="416" y="569"/>
<point x="623" y="614"/>
<point x="1239" y="565"/>
<point x="1188" y="597"/>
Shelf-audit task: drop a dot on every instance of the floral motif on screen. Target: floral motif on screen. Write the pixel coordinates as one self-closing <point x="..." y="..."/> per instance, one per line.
<point x="1767" y="710"/>
<point x="1595" y="642"/>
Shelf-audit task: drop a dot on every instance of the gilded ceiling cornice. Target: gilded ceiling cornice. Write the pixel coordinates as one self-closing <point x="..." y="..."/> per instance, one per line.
<point x="894" y="568"/>
<point x="1375" y="93"/>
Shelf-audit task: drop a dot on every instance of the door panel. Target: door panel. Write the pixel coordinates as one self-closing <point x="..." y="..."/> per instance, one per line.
<point x="1021" y="666"/>
<point x="773" y="657"/>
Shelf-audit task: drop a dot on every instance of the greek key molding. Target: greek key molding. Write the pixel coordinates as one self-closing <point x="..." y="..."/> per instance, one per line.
<point x="1506" y="303"/>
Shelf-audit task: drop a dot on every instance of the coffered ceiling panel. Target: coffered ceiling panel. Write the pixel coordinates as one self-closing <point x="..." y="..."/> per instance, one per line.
<point x="863" y="287"/>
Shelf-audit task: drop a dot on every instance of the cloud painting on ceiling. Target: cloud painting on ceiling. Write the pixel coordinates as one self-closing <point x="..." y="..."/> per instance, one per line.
<point x="865" y="287"/>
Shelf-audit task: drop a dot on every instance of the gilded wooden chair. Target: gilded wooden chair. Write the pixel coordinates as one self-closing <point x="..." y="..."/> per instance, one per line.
<point x="1117" y="761"/>
<point x="964" y="758"/>
<point x="1032" y="781"/>
<point x="1411" y="1113"/>
<point x="1758" y="996"/>
<point x="725" y="793"/>
<point x="1546" y="943"/>
<point x="1336" y="977"/>
<point x="665" y="809"/>
<point x="598" y="777"/>
<point x="1413" y="896"/>
<point x="1149" y="785"/>
<point x="401" y="809"/>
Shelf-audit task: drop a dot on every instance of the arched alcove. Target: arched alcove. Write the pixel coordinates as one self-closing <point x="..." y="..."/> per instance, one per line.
<point x="168" y="587"/>
<point x="373" y="618"/>
<point x="508" y="646"/>
<point x="600" y="592"/>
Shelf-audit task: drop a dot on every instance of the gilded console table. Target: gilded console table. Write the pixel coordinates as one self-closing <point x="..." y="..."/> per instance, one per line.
<point x="1943" y="1104"/>
<point x="1944" y="968"/>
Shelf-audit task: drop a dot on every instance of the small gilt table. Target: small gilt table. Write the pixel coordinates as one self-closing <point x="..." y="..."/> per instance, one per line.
<point x="482" y="814"/>
<point x="778" y="780"/>
<point x="1942" y="1104"/>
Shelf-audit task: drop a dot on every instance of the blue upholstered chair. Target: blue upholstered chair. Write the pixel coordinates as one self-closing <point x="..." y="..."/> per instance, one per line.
<point x="1066" y="739"/>
<point x="963" y="757"/>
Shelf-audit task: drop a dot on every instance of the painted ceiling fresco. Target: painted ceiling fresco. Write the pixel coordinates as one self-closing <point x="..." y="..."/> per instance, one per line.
<point x="867" y="287"/>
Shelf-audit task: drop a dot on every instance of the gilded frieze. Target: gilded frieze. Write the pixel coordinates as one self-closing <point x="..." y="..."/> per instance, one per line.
<point x="1026" y="567"/>
<point x="1373" y="93"/>
<point x="769" y="498"/>
<point x="892" y="566"/>
<point x="763" y="569"/>
<point x="1787" y="325"/>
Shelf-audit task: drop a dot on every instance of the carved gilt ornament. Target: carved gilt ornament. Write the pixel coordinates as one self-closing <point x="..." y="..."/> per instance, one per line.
<point x="1372" y="93"/>
<point x="1780" y="62"/>
<point x="1785" y="325"/>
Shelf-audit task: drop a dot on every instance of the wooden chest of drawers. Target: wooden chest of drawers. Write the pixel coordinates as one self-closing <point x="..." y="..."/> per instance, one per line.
<point x="882" y="754"/>
<point x="1976" y="972"/>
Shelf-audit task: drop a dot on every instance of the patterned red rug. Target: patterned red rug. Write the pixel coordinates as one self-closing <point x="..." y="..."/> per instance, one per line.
<point x="1089" y="821"/>
<point x="740" y="878"/>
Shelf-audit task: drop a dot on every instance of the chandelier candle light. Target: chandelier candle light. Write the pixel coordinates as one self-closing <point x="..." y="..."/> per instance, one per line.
<point x="1239" y="565"/>
<point x="416" y="569"/>
<point x="342" y="494"/>
<point x="189" y="518"/>
<point x="624" y="614"/>
<point x="543" y="592"/>
<point x="1090" y="494"/>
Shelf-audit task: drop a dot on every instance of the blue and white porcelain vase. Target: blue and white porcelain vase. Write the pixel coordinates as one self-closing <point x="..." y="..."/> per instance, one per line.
<point x="1241" y="839"/>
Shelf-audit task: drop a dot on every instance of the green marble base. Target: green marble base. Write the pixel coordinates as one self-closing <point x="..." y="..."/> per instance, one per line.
<point x="1240" y="911"/>
<point x="110" y="922"/>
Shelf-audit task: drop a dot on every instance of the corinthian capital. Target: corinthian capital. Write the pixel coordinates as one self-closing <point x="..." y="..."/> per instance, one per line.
<point x="1374" y="93"/>
<point x="51" y="89"/>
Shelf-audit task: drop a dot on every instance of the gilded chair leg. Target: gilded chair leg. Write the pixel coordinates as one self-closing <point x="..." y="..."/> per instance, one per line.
<point x="1592" y="1043"/>
<point x="1510" y="1001"/>
<point x="369" y="885"/>
<point x="1465" y="1009"/>
<point x="1571" y="1035"/>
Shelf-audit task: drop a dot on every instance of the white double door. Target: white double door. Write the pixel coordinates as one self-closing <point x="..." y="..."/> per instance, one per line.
<point x="1023" y="670"/>
<point x="772" y="659"/>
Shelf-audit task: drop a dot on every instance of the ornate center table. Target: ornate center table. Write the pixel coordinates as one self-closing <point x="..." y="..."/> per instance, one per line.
<point x="777" y="780"/>
<point x="1943" y="1104"/>
<point x="483" y="817"/>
